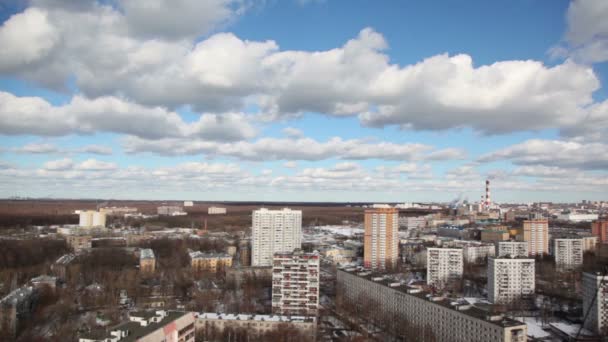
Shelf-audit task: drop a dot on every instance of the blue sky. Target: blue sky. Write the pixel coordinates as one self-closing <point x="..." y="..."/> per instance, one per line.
<point x="304" y="100"/>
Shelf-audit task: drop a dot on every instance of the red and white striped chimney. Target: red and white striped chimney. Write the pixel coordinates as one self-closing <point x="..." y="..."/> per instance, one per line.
<point x="488" y="199"/>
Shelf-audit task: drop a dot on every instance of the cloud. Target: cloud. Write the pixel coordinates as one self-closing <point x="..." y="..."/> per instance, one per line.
<point x="291" y="132"/>
<point x="541" y="171"/>
<point x="111" y="114"/>
<point x="355" y="79"/>
<point x="290" y="164"/>
<point x="59" y="165"/>
<point x="556" y="153"/>
<point x="176" y="19"/>
<point x="586" y="39"/>
<point x="447" y="154"/>
<point x="95" y="149"/>
<point x="265" y="149"/>
<point x="38" y="148"/>
<point x="96" y="165"/>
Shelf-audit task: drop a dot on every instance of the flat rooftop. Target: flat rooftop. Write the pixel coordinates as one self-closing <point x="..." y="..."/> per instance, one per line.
<point x="480" y="311"/>
<point x="259" y="318"/>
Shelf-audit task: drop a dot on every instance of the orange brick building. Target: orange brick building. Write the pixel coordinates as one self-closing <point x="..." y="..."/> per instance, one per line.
<point x="599" y="228"/>
<point x="381" y="243"/>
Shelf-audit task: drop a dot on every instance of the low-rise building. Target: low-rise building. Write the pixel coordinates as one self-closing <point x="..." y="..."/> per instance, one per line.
<point x="257" y="324"/>
<point x="148" y="326"/>
<point x="211" y="262"/>
<point x="411" y="308"/>
<point x="92" y="218"/>
<point x="79" y="242"/>
<point x="494" y="235"/>
<point x="216" y="211"/>
<point x="60" y="267"/>
<point x="147" y="261"/>
<point x="171" y="210"/>
<point x="339" y="255"/>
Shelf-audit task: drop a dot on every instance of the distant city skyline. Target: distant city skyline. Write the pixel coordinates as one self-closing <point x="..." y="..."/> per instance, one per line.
<point x="315" y="101"/>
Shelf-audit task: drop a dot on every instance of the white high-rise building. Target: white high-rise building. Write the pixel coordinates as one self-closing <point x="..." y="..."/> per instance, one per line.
<point x="443" y="266"/>
<point x="92" y="218"/>
<point x="274" y="231"/>
<point x="594" y="284"/>
<point x="568" y="252"/>
<point x="514" y="249"/>
<point x="510" y="279"/>
<point x="295" y="283"/>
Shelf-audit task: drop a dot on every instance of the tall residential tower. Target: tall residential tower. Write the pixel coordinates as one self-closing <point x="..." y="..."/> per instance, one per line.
<point x="381" y="245"/>
<point x="274" y="231"/>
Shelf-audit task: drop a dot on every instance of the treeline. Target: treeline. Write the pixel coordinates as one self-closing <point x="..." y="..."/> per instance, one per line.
<point x="25" y="253"/>
<point x="23" y="221"/>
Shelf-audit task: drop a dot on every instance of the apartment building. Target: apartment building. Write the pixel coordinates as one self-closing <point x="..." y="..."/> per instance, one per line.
<point x="209" y="262"/>
<point x="514" y="249"/>
<point x="15" y="309"/>
<point x="209" y="322"/>
<point x="510" y="280"/>
<point x="568" y="253"/>
<point x="274" y="231"/>
<point x="478" y="252"/>
<point x="381" y="239"/>
<point x="448" y="319"/>
<point x="92" y="218"/>
<point x="295" y="283"/>
<point x="599" y="228"/>
<point x="148" y="326"/>
<point x="170" y="210"/>
<point x="536" y="234"/>
<point x="444" y="266"/>
<point x="595" y="300"/>
<point x="147" y="261"/>
<point x="589" y="243"/>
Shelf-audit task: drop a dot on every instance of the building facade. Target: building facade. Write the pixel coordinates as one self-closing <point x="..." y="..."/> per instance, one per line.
<point x="79" y="242"/>
<point x="149" y="326"/>
<point x="216" y="211"/>
<point x="92" y="218"/>
<point x="488" y="235"/>
<point x="514" y="249"/>
<point x="447" y="319"/>
<point x="209" y="262"/>
<point x="595" y="286"/>
<point x="147" y="261"/>
<point x="444" y="266"/>
<point x="599" y="228"/>
<point x="258" y="324"/>
<point x="381" y="239"/>
<point x="589" y="243"/>
<point x="536" y="234"/>
<point x="510" y="280"/>
<point x="295" y="283"/>
<point x="478" y="253"/>
<point x="274" y="231"/>
<point x="568" y="253"/>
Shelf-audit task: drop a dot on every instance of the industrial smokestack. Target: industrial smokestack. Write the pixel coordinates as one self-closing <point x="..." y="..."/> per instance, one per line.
<point x="488" y="199"/>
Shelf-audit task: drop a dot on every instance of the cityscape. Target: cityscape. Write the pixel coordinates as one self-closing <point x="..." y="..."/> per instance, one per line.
<point x="303" y="170"/>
